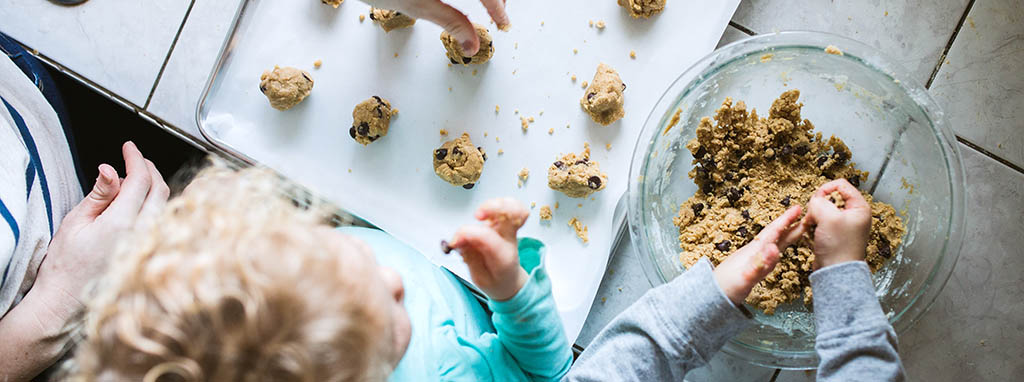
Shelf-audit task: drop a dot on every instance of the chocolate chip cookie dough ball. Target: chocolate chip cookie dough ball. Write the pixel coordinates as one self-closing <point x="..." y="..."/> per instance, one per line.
<point x="333" y="3"/>
<point x="453" y="49"/>
<point x="576" y="176"/>
<point x="459" y="162"/>
<point x="643" y="8"/>
<point x="285" y="87"/>
<point x="390" y="20"/>
<point x="604" y="99"/>
<point x="370" y="120"/>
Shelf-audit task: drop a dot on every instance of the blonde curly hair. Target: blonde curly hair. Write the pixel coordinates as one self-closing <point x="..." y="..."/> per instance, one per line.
<point x="233" y="282"/>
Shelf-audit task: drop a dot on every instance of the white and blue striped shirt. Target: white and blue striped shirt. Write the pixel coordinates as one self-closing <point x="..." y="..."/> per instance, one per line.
<point x="38" y="184"/>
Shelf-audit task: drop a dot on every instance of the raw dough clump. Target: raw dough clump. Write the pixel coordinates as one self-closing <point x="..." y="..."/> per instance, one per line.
<point x="453" y="49"/>
<point x="576" y="175"/>
<point x="459" y="162"/>
<point x="333" y="3"/>
<point x="285" y="87"/>
<point x="643" y="8"/>
<point x="390" y="20"/>
<point x="749" y="170"/>
<point x="603" y="99"/>
<point x="370" y="120"/>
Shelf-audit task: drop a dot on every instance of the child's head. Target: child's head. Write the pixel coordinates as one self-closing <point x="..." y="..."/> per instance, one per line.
<point x="233" y="282"/>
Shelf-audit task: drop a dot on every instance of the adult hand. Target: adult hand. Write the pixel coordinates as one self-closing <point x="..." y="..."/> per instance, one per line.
<point x="841" y="235"/>
<point x="449" y="18"/>
<point x="742" y="270"/>
<point x="492" y="251"/>
<point x="89" y="233"/>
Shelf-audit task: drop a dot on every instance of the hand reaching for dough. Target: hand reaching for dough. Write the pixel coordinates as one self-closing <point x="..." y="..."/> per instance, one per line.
<point x="449" y="18"/>
<point x="739" y="272"/>
<point x="841" y="235"/>
<point x="491" y="250"/>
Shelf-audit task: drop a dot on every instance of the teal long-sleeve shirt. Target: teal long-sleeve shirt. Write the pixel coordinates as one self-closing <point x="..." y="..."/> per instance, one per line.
<point x="454" y="339"/>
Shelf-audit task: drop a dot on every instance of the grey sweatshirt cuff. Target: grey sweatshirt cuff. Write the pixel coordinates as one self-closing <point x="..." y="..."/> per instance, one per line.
<point x="843" y="295"/>
<point x="696" y="311"/>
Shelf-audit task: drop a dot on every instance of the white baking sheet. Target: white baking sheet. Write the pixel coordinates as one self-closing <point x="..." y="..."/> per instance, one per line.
<point x="391" y="182"/>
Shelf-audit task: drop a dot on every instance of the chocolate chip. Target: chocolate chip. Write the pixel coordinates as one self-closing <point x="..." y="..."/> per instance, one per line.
<point x="594" y="182"/>
<point x="709" y="164"/>
<point x="746" y="214"/>
<point x="745" y="163"/>
<point x="364" y="129"/>
<point x="742" y="232"/>
<point x="785" y="201"/>
<point x="439" y="154"/>
<point x="590" y="95"/>
<point x="372" y="17"/>
<point x="397" y="13"/>
<point x="466" y="60"/>
<point x="452" y="60"/>
<point x="840" y="156"/>
<point x="697" y="208"/>
<point x="306" y="76"/>
<point x="352" y="132"/>
<point x="854" y="180"/>
<point x="821" y="161"/>
<point x="724" y="245"/>
<point x="702" y="172"/>
<point x="884" y="248"/>
<point x="730" y="175"/>
<point x="879" y="217"/>
<point x="787" y="149"/>
<point x="263" y="89"/>
<point x="583" y="161"/>
<point x="801" y="150"/>
<point x="623" y="86"/>
<point x="701" y="152"/>
<point x="468" y="186"/>
<point x="374" y="138"/>
<point x="560" y="165"/>
<point x="456" y="151"/>
<point x="380" y="112"/>
<point x="482" y="153"/>
<point x="490" y="44"/>
<point x="708" y="188"/>
<point x="380" y="101"/>
<point x="757" y="228"/>
<point x="733" y="195"/>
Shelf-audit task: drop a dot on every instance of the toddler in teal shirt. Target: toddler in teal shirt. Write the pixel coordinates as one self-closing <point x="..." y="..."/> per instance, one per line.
<point x="234" y="282"/>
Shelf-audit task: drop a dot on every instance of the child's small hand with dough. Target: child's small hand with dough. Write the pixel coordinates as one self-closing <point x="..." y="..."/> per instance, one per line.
<point x="741" y="271"/>
<point x="491" y="250"/>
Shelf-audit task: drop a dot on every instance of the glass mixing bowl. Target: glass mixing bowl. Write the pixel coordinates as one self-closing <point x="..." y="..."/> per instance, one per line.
<point x="894" y="128"/>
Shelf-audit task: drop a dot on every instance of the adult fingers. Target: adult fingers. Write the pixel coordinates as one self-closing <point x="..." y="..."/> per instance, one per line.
<point x="135" y="187"/>
<point x="496" y="8"/>
<point x="779" y="226"/>
<point x="99" y="198"/>
<point x="454" y="22"/>
<point x="156" y="199"/>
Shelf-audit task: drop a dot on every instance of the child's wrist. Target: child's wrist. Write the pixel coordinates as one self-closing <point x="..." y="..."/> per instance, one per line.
<point x="513" y="286"/>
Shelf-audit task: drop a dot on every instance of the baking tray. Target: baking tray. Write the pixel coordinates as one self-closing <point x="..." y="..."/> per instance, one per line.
<point x="391" y="183"/>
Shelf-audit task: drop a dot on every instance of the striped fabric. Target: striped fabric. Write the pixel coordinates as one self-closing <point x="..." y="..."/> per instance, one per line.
<point x="38" y="184"/>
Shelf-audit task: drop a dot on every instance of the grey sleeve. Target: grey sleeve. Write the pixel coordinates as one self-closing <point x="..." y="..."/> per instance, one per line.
<point x="671" y="330"/>
<point x="855" y="341"/>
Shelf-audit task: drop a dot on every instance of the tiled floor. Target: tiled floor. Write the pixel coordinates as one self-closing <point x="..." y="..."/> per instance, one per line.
<point x="974" y="330"/>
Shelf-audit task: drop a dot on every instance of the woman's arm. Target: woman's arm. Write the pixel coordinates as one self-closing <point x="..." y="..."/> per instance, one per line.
<point x="34" y="333"/>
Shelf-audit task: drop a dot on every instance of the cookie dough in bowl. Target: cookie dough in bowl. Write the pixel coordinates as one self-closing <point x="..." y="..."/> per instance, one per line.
<point x="703" y="189"/>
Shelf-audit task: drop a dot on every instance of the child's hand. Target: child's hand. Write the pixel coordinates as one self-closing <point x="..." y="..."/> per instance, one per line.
<point x="738" y="273"/>
<point x="491" y="251"/>
<point x="841" y="234"/>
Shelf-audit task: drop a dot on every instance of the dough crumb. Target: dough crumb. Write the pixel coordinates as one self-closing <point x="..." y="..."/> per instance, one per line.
<point x="505" y="28"/>
<point x="516" y="111"/>
<point x="581" y="230"/>
<point x="591" y="22"/>
<point x="497" y="108"/>
<point x="608" y="146"/>
<point x="500" y="151"/>
<point x="362" y="17"/>
<point x="599" y="24"/>
<point x="573" y="78"/>
<point x="584" y="84"/>
<point x="551" y="131"/>
<point x="672" y="123"/>
<point x="767" y="57"/>
<point x="632" y="54"/>
<point x="474" y="72"/>
<point x="396" y="54"/>
<point x="579" y="205"/>
<point x="317" y="63"/>
<point x="523" y="174"/>
<point x="533" y="204"/>
<point x="575" y="51"/>
<point x="545" y="213"/>
<point x="333" y="3"/>
<point x="556" y="205"/>
<point x="443" y="132"/>
<point x="525" y="123"/>
<point x="832" y="49"/>
<point x="837" y="199"/>
<point x="349" y="171"/>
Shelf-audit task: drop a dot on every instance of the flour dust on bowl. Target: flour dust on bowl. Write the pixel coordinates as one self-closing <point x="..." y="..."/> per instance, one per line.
<point x="893" y="128"/>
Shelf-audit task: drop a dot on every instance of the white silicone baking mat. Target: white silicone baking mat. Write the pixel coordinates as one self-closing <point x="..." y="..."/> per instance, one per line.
<point x="391" y="182"/>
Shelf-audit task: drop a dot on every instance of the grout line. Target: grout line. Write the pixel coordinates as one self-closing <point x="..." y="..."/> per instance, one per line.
<point x="989" y="154"/>
<point x="949" y="44"/>
<point x="775" y="375"/>
<point x="742" y="28"/>
<point x="167" y="59"/>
